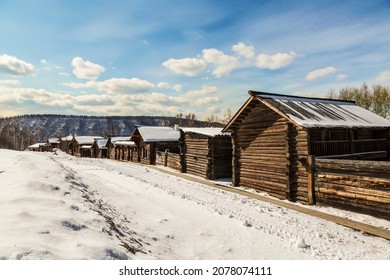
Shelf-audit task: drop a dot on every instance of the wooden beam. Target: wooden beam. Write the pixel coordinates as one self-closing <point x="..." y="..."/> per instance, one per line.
<point x="310" y="177"/>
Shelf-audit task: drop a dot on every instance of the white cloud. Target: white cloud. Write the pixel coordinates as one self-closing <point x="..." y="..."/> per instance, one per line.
<point x="383" y="76"/>
<point x="123" y="85"/>
<point x="320" y="73"/>
<point x="9" y="82"/>
<point x="163" y="85"/>
<point x="116" y="85"/>
<point x="187" y="66"/>
<point x="44" y="62"/>
<point x="12" y="65"/>
<point x="341" y="77"/>
<point x="158" y="109"/>
<point x="206" y="90"/>
<point x="207" y="100"/>
<point x="177" y="87"/>
<point x="84" y="69"/>
<point x="244" y="50"/>
<point x="213" y="110"/>
<point x="275" y="61"/>
<point x="225" y="63"/>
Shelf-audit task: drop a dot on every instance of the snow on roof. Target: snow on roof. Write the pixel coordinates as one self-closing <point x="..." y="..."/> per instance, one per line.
<point x="87" y="139"/>
<point x="119" y="138"/>
<point x="53" y="140"/>
<point x="67" y="138"/>
<point x="208" y="131"/>
<point x="37" y="145"/>
<point x="86" y="147"/>
<point x="102" y="143"/>
<point x="124" y="143"/>
<point x="316" y="112"/>
<point x="159" y="133"/>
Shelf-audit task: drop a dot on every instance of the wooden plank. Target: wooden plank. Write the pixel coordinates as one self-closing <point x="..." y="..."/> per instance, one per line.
<point x="310" y="179"/>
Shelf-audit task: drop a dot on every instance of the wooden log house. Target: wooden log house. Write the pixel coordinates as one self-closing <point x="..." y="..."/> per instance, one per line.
<point x="112" y="152"/>
<point x="54" y="143"/>
<point x="64" y="143"/>
<point x="206" y="152"/>
<point x="40" y="147"/>
<point x="125" y="150"/>
<point x="82" y="145"/>
<point x="99" y="148"/>
<point x="274" y="135"/>
<point x="150" y="139"/>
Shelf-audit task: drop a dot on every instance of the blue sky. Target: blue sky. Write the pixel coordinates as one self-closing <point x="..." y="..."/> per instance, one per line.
<point x="165" y="57"/>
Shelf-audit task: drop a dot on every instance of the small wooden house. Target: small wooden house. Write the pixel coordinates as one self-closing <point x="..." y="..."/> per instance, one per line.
<point x="82" y="145"/>
<point x="99" y="148"/>
<point x="54" y="143"/>
<point x="64" y="143"/>
<point x="273" y="136"/>
<point x="125" y="150"/>
<point x="150" y="139"/>
<point x="112" y="151"/>
<point x="206" y="152"/>
<point x="40" y="147"/>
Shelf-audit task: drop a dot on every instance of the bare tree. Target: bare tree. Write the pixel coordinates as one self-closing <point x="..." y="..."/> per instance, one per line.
<point x="376" y="99"/>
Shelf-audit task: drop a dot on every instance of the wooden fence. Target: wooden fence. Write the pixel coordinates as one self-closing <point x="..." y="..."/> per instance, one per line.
<point x="166" y="158"/>
<point x="360" y="186"/>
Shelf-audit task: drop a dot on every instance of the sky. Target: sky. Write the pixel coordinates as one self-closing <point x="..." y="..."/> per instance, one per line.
<point x="168" y="57"/>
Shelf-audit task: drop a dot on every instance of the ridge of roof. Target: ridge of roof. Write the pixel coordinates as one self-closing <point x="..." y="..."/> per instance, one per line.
<point x="270" y="95"/>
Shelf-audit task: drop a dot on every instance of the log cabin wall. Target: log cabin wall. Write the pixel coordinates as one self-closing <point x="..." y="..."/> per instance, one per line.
<point x="206" y="156"/>
<point x="221" y="157"/>
<point x="171" y="160"/>
<point x="297" y="150"/>
<point x="361" y="186"/>
<point x="260" y="151"/>
<point x="196" y="153"/>
<point x="147" y="151"/>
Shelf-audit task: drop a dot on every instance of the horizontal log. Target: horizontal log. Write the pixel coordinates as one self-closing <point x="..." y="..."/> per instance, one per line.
<point x="353" y="178"/>
<point x="375" y="210"/>
<point x="371" y="195"/>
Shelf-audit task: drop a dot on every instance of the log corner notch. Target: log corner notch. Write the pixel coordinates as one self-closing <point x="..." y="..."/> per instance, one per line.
<point x="310" y="179"/>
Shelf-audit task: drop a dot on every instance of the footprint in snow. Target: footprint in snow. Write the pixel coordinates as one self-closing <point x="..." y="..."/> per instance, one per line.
<point x="73" y="226"/>
<point x="247" y="224"/>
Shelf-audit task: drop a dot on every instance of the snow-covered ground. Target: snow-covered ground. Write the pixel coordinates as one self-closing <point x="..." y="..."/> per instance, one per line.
<point x="63" y="207"/>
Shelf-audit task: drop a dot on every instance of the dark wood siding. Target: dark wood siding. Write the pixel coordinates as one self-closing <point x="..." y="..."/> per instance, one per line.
<point x="206" y="156"/>
<point x="260" y="159"/>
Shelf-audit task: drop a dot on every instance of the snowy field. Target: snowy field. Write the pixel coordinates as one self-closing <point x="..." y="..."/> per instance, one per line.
<point x="63" y="207"/>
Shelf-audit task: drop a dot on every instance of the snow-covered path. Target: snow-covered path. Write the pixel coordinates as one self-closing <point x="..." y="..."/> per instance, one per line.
<point x="73" y="208"/>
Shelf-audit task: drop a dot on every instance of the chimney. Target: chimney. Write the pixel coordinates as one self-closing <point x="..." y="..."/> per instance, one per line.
<point x="176" y="128"/>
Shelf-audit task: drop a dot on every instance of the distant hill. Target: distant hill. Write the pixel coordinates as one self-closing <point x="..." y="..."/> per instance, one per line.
<point x="21" y="131"/>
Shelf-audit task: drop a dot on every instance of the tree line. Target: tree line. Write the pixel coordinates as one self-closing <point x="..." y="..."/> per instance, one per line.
<point x="375" y="99"/>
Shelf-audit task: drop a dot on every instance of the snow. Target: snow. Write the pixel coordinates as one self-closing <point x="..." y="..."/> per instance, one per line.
<point x="308" y="112"/>
<point x="55" y="206"/>
<point x="87" y="139"/>
<point x="124" y="143"/>
<point x="158" y="133"/>
<point x="37" y="145"/>
<point x="208" y="131"/>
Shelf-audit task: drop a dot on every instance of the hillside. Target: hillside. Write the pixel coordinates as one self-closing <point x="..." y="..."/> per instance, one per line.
<point x="21" y="131"/>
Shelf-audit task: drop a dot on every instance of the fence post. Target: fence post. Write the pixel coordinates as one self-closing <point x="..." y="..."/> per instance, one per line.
<point x="311" y="179"/>
<point x="166" y="157"/>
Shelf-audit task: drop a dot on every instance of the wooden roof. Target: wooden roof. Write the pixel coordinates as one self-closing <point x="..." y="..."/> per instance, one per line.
<point x="312" y="112"/>
<point x="156" y="134"/>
